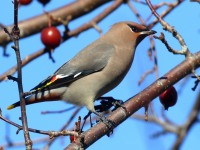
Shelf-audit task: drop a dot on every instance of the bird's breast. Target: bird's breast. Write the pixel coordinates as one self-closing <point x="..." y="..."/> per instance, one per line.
<point x="116" y="70"/>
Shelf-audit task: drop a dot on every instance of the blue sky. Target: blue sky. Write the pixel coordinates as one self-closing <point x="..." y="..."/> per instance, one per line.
<point x="131" y="133"/>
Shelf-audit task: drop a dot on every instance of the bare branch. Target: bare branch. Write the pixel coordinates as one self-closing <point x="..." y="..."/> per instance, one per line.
<point x="185" y="128"/>
<point x="96" y="19"/>
<point x="14" y="35"/>
<point x="36" y="24"/>
<point x="136" y="13"/>
<point x="184" y="51"/>
<point x="198" y="1"/>
<point x="166" y="12"/>
<point x="170" y="49"/>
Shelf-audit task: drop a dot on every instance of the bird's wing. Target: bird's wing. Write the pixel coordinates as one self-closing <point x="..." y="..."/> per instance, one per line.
<point x="90" y="60"/>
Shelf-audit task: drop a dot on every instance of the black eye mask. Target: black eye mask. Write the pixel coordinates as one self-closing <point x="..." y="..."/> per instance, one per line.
<point x="135" y="29"/>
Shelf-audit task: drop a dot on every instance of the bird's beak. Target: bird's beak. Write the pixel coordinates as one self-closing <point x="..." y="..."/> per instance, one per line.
<point x="149" y="32"/>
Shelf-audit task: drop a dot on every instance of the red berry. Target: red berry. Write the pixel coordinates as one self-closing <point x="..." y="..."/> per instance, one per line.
<point x="72" y="138"/>
<point x="169" y="97"/>
<point x="51" y="37"/>
<point x="25" y="2"/>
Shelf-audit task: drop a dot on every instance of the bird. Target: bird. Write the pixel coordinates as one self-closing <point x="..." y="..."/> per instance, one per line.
<point x="94" y="71"/>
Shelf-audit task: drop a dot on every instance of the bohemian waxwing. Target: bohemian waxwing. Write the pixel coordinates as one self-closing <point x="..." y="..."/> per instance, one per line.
<point x="94" y="71"/>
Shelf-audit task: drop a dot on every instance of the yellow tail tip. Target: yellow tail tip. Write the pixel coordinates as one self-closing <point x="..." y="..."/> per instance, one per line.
<point x="10" y="107"/>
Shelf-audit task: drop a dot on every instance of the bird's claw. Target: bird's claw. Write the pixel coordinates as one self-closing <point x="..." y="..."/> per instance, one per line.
<point x="109" y="123"/>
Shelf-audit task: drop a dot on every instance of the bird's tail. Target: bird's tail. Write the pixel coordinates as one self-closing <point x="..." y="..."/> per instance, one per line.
<point x="13" y="105"/>
<point x="52" y="95"/>
<point x="29" y="100"/>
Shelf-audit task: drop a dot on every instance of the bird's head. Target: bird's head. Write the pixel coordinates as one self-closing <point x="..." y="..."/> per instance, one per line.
<point x="130" y="32"/>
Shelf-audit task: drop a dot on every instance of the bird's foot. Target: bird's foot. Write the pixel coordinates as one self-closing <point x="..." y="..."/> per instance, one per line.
<point x="109" y="123"/>
<point x="117" y="104"/>
<point x="108" y="102"/>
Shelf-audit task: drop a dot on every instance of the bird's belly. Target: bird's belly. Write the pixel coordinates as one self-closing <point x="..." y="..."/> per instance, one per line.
<point x="110" y="84"/>
<point x="73" y="98"/>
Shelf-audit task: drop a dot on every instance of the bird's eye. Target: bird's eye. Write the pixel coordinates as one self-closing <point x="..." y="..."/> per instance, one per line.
<point x="133" y="28"/>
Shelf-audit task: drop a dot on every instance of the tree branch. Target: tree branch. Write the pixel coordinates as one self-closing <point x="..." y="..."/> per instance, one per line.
<point x="15" y="37"/>
<point x="166" y="12"/>
<point x="36" y="24"/>
<point x="140" y="100"/>
<point x="185" y="128"/>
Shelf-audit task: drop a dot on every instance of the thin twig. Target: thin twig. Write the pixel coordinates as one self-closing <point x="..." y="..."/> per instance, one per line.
<point x="191" y="120"/>
<point x="58" y="111"/>
<point x="139" y="1"/>
<point x="166" y="12"/>
<point x="17" y="144"/>
<point x="64" y="127"/>
<point x="168" y="127"/>
<point x="97" y="19"/>
<point x="15" y="36"/>
<point x="146" y="74"/>
<point x="184" y="51"/>
<point x="198" y="1"/>
<point x="24" y="62"/>
<point x="50" y="133"/>
<point x="155" y="67"/>
<point x="136" y="13"/>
